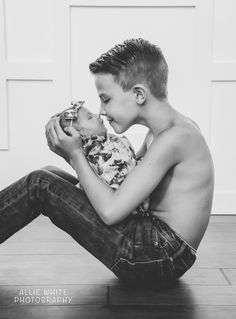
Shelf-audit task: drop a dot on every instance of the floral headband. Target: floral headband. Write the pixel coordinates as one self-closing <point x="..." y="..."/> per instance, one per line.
<point x="72" y="112"/>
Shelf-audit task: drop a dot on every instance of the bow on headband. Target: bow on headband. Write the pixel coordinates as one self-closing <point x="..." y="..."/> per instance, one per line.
<point x="72" y="112"/>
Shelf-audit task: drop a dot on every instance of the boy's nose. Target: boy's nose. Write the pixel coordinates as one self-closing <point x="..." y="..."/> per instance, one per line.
<point x="102" y="113"/>
<point x="102" y="110"/>
<point x="97" y="116"/>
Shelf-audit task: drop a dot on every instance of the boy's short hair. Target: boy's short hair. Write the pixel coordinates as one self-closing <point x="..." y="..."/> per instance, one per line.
<point x="135" y="61"/>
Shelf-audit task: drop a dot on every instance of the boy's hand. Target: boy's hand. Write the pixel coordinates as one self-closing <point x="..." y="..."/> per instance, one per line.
<point x="59" y="142"/>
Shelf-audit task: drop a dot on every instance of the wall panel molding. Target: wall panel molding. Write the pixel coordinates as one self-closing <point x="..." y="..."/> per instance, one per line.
<point x="29" y="70"/>
<point x="209" y="63"/>
<point x="56" y="70"/>
<point x="3" y="116"/>
<point x="132" y="3"/>
<point x="203" y="56"/>
<point x="223" y="71"/>
<point x="223" y="83"/>
<point x="28" y="26"/>
<point x="224" y="203"/>
<point x="3" y="96"/>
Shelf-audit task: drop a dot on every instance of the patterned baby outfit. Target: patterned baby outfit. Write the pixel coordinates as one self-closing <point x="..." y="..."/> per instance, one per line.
<point x="112" y="157"/>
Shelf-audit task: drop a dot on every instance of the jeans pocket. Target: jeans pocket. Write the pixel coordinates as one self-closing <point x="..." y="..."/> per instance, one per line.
<point x="159" y="241"/>
<point x="150" y="274"/>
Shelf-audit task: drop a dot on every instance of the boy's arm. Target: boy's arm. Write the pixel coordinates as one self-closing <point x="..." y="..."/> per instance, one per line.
<point x="143" y="149"/>
<point x="113" y="206"/>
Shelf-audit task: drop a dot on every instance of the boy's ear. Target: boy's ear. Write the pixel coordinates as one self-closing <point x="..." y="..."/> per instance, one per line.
<point x="140" y="94"/>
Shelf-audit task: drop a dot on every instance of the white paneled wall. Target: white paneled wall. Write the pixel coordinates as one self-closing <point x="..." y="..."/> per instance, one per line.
<point x="47" y="45"/>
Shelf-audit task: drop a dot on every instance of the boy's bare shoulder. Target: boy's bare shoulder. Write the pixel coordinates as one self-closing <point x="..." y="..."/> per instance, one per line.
<point x="174" y="135"/>
<point x="177" y="141"/>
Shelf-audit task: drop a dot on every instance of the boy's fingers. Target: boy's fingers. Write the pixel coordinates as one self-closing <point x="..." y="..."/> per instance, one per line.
<point x="72" y="131"/>
<point x="51" y="133"/>
<point x="57" y="127"/>
<point x="48" y="125"/>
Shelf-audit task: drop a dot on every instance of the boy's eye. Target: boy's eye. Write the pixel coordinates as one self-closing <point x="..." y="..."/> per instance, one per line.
<point x="106" y="101"/>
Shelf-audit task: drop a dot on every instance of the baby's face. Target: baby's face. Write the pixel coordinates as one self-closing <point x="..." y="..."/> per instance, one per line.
<point x="86" y="122"/>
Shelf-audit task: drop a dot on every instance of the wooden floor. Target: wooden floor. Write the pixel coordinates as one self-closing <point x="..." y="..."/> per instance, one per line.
<point x="44" y="273"/>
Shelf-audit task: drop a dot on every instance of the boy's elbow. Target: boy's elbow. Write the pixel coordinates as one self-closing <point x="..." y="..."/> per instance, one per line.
<point x="113" y="216"/>
<point x="108" y="222"/>
<point x="108" y="217"/>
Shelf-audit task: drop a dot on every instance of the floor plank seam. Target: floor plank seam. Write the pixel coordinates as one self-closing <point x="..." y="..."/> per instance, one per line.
<point x="108" y="296"/>
<point x="225" y="276"/>
<point x="40" y="254"/>
<point x="50" y="284"/>
<point x="100" y="284"/>
<point x="216" y="267"/>
<point x="208" y="290"/>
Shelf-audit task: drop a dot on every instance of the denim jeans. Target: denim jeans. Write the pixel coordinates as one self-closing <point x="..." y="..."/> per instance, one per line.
<point x="142" y="251"/>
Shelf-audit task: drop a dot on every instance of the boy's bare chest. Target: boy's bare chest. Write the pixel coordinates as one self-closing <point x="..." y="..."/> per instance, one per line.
<point x="165" y="188"/>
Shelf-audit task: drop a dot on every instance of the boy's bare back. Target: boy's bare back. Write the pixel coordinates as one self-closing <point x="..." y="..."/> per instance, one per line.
<point x="183" y="198"/>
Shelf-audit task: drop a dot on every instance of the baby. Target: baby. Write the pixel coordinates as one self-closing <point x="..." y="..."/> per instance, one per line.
<point x="112" y="157"/>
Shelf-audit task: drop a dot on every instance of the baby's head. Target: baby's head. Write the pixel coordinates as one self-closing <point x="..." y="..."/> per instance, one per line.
<point x="85" y="122"/>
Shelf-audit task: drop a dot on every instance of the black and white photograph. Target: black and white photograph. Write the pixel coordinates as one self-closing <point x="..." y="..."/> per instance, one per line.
<point x="117" y="159"/>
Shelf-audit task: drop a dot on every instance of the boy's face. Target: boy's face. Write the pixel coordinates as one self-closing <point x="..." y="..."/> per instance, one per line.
<point x="118" y="106"/>
<point x="86" y="123"/>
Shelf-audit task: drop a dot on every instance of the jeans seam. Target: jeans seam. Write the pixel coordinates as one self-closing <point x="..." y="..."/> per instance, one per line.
<point x="138" y="262"/>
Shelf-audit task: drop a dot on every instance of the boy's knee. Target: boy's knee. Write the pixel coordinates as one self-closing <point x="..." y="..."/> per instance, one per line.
<point x="54" y="170"/>
<point x="39" y="174"/>
<point x="49" y="168"/>
<point x="41" y="178"/>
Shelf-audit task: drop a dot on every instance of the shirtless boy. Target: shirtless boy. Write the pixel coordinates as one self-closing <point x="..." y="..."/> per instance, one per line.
<point x="177" y="169"/>
<point x="176" y="172"/>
